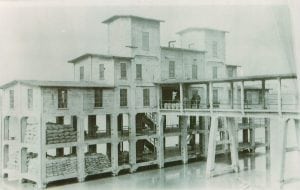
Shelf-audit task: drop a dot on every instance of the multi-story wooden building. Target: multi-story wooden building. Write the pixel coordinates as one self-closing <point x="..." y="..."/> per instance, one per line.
<point x="108" y="119"/>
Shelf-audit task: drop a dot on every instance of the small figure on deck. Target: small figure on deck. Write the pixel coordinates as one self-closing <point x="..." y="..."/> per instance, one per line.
<point x="196" y="99"/>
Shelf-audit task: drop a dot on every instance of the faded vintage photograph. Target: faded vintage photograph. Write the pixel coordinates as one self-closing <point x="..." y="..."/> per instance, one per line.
<point x="149" y="95"/>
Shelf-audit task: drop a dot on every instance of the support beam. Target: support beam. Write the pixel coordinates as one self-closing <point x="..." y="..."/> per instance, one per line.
<point x="279" y="100"/>
<point x="80" y="149"/>
<point x="232" y="130"/>
<point x="158" y="92"/>
<point x="210" y="164"/>
<point x="252" y="134"/>
<point x="278" y="149"/>
<point x="160" y="149"/>
<point x="267" y="133"/>
<point x="183" y="122"/>
<point x="114" y="144"/>
<point x="132" y="141"/>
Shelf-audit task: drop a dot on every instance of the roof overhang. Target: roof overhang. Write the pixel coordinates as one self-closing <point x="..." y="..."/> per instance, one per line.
<point x="84" y="56"/>
<point x="115" y="17"/>
<point x="228" y="80"/>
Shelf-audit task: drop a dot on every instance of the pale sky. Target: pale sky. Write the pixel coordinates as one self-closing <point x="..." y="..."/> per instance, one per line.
<point x="37" y="41"/>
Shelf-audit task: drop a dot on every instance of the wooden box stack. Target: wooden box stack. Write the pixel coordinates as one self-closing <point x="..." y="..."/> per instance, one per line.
<point x="57" y="133"/>
<point x="96" y="162"/>
<point x="57" y="166"/>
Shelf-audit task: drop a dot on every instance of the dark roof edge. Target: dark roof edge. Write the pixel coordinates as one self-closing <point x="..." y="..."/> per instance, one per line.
<point x="114" y="17"/>
<point x="97" y="55"/>
<point x="182" y="49"/>
<point x="199" y="29"/>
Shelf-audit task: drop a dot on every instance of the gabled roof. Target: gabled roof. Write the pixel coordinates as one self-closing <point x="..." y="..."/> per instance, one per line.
<point x="182" y="49"/>
<point x="41" y="83"/>
<point x="111" y="19"/>
<point x="199" y="29"/>
<point x="96" y="55"/>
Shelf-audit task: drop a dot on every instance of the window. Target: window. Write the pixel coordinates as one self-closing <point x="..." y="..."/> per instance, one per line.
<point x="123" y="97"/>
<point x="98" y="98"/>
<point x="145" y="41"/>
<point x="101" y="71"/>
<point x="29" y="98"/>
<point x="11" y="99"/>
<point x="215" y="49"/>
<point x="123" y="71"/>
<point x="146" y="97"/>
<point x="81" y="73"/>
<point x="231" y="71"/>
<point x="215" y="96"/>
<point x="215" y="72"/>
<point x="194" y="72"/>
<point x="139" y="71"/>
<point x="172" y="69"/>
<point x="62" y="98"/>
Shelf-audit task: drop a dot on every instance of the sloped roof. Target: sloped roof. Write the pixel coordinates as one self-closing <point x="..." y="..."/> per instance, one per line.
<point x="112" y="18"/>
<point x="97" y="55"/>
<point x="199" y="29"/>
<point x="41" y="83"/>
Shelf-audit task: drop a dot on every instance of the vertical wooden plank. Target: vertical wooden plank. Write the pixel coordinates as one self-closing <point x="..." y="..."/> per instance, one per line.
<point x="210" y="165"/>
<point x="252" y="134"/>
<point x="233" y="144"/>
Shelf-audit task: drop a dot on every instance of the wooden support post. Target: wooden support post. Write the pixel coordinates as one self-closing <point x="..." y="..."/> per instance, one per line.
<point x="207" y="95"/>
<point x="206" y="135"/>
<point x="278" y="149"/>
<point x="297" y="129"/>
<point x="232" y="129"/>
<point x="160" y="149"/>
<point x="267" y="133"/>
<point x="132" y="142"/>
<point x="263" y="95"/>
<point x="232" y="94"/>
<point x="210" y="164"/>
<point x="181" y="96"/>
<point x="252" y="134"/>
<point x="158" y="93"/>
<point x="279" y="100"/>
<point x="183" y="126"/>
<point x="41" y="182"/>
<point x="114" y="144"/>
<point x="80" y="149"/>
<point x="242" y="98"/>
<point x="211" y="97"/>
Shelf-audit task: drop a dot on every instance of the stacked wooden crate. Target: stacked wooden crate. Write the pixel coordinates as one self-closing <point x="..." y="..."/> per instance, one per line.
<point x="57" y="133"/>
<point x="56" y="166"/>
<point x="96" y="162"/>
